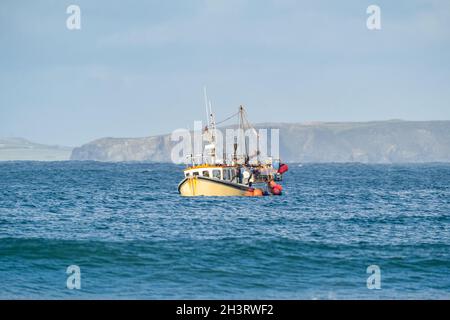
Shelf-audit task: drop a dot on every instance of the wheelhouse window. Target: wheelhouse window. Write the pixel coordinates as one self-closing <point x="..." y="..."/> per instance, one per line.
<point x="233" y="176"/>
<point x="187" y="174"/>
<point x="195" y="174"/>
<point x="226" y="174"/>
<point x="216" y="174"/>
<point x="205" y="173"/>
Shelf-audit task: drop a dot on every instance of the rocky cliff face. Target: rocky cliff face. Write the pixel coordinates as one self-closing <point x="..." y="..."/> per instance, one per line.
<point x="366" y="142"/>
<point x="155" y="148"/>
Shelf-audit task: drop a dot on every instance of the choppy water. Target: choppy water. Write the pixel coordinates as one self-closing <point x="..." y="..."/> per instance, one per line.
<point x="133" y="236"/>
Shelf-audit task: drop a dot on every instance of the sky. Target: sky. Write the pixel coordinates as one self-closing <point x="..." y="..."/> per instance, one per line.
<point x="137" y="68"/>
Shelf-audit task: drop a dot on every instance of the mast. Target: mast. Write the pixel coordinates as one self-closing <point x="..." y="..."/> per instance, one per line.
<point x="212" y="123"/>
<point x="210" y="130"/>
<point x="206" y="105"/>
<point x="213" y="135"/>
<point x="241" y="120"/>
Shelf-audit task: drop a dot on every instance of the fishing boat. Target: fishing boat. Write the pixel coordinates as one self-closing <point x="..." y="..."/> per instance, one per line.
<point x="233" y="175"/>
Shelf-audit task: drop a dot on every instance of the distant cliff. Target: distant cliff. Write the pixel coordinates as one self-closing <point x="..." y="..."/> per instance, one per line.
<point x="22" y="149"/>
<point x="155" y="148"/>
<point x="392" y="141"/>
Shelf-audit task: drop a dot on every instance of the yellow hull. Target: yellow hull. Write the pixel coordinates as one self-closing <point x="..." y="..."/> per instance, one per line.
<point x="202" y="186"/>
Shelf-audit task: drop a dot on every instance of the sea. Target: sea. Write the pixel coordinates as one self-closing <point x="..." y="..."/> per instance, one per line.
<point x="92" y="230"/>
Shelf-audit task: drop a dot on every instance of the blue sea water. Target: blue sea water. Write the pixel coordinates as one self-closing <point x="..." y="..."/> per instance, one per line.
<point x="133" y="236"/>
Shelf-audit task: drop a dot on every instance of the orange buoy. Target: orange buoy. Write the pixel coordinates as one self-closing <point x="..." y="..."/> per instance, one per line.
<point x="257" y="192"/>
<point x="283" y="168"/>
<point x="275" y="188"/>
<point x="278" y="186"/>
<point x="249" y="192"/>
<point x="276" y="191"/>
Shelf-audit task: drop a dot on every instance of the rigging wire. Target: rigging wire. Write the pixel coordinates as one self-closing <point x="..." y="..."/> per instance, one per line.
<point x="230" y="117"/>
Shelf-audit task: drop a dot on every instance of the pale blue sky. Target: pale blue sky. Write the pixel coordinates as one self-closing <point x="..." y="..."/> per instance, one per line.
<point x="137" y="68"/>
